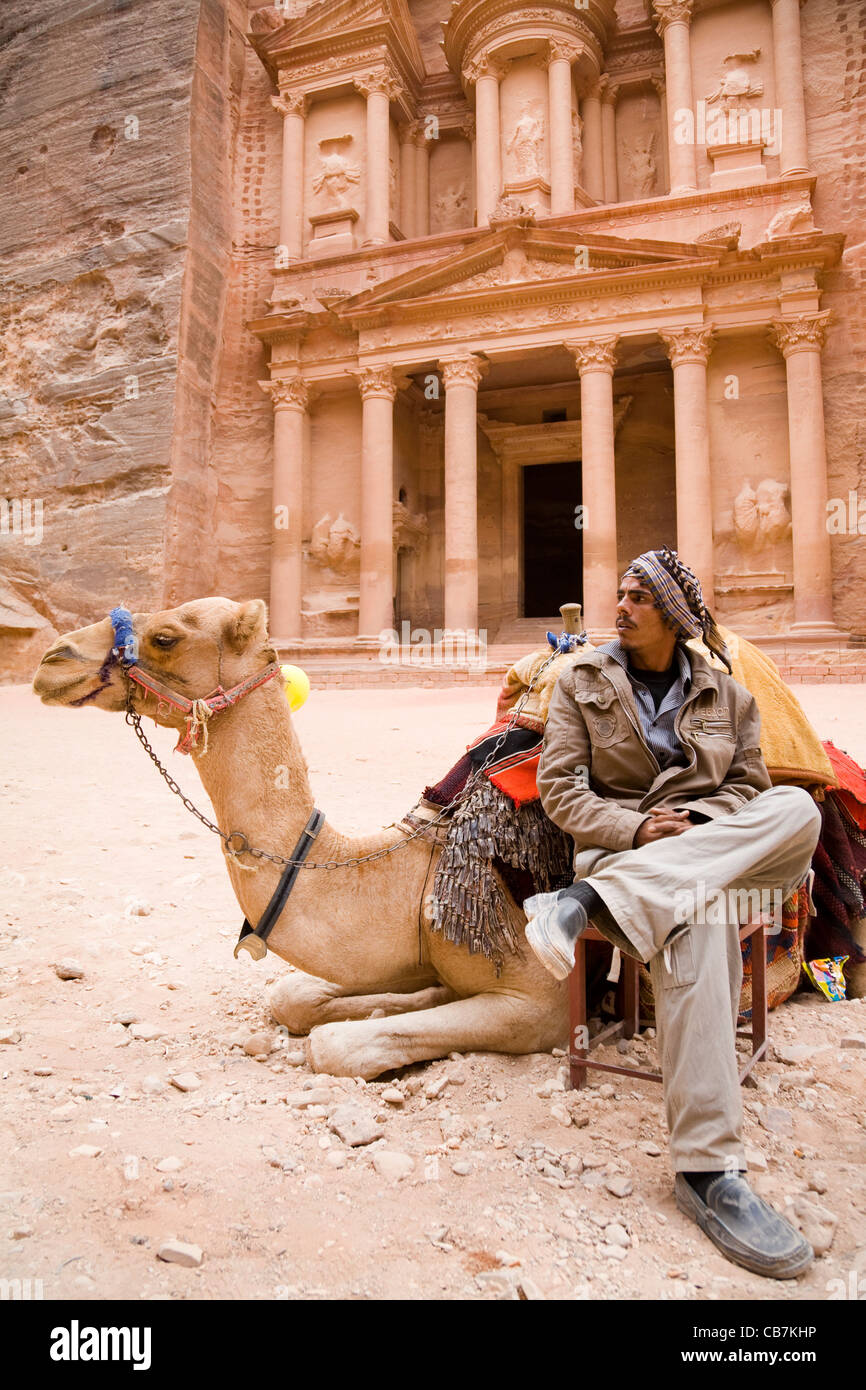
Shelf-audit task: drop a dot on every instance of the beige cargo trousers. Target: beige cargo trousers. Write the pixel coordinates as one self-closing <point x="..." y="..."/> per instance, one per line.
<point x="696" y="963"/>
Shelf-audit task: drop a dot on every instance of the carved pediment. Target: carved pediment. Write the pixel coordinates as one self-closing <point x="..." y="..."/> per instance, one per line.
<point x="334" y="34"/>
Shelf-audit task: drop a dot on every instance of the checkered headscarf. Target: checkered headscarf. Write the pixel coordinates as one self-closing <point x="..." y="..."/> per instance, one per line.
<point x="677" y="592"/>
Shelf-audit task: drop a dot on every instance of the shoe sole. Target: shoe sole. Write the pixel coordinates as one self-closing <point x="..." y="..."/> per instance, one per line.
<point x="549" y="954"/>
<point x="690" y="1204"/>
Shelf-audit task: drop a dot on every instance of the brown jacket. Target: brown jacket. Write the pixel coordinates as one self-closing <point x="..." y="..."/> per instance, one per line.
<point x="598" y="777"/>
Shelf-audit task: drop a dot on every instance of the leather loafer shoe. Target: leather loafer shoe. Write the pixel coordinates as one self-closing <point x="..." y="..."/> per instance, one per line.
<point x="553" y="931"/>
<point x="745" y="1228"/>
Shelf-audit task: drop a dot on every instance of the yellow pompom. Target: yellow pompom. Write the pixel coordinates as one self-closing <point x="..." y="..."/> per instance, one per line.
<point x="296" y="684"/>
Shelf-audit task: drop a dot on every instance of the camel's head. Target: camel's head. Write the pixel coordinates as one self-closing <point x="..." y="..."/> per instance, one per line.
<point x="192" y="649"/>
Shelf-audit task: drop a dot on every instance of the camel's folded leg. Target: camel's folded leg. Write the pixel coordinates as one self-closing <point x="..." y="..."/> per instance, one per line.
<point x="491" y="1022"/>
<point x="301" y="1002"/>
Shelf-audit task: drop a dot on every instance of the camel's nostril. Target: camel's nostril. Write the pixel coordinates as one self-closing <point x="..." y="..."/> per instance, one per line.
<point x="64" y="653"/>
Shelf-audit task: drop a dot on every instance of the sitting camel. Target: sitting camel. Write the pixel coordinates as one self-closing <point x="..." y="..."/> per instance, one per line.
<point x="360" y="937"/>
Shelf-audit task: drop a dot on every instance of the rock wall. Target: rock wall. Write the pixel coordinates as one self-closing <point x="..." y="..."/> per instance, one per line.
<point x="113" y="245"/>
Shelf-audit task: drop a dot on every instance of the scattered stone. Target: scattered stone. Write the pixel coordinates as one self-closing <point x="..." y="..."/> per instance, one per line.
<point x="433" y="1090"/>
<point x="606" y="1092"/>
<point x="815" y="1222"/>
<point x="137" y="907"/>
<point x="10" y="1035"/>
<point x="561" y="1115"/>
<point x="391" y="1096"/>
<point x="354" y="1125"/>
<point x="462" y="1168"/>
<point x="778" y="1120"/>
<point x="126" y="1016"/>
<point x="336" y="1158"/>
<point x="21" y="1232"/>
<point x="169" y="1165"/>
<point x="527" y="1289"/>
<point x="615" y="1234"/>
<point x="546" y="1088"/>
<point x="612" y="1252"/>
<point x="649" y="1146"/>
<point x="817" y="1183"/>
<point x="186" y="1081"/>
<point x="795" y="1080"/>
<point x="295" y="1059"/>
<point x="302" y="1100"/>
<point x="85" y="1151"/>
<point x="146" y="1032"/>
<point x="258" y="1045"/>
<point x="69" y="970"/>
<point x="794" y="1054"/>
<point x="392" y="1165"/>
<point x="756" y="1159"/>
<point x="502" y="1282"/>
<point x="854" y="1041"/>
<point x="151" y="1084"/>
<point x="43" y="1071"/>
<point x="619" y="1185"/>
<point x="175" y="1252"/>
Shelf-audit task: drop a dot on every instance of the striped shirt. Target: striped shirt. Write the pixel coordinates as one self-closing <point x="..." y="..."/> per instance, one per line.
<point x="658" y="724"/>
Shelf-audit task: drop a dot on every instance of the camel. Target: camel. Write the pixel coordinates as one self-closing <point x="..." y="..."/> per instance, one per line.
<point x="374" y="987"/>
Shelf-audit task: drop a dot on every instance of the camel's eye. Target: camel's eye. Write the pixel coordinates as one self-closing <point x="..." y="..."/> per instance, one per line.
<point x="164" y="641"/>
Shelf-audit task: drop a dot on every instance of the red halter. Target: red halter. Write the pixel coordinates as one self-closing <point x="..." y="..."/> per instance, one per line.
<point x="198" y="711"/>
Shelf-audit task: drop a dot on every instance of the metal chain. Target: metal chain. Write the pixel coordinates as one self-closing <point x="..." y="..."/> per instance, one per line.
<point x="133" y="718"/>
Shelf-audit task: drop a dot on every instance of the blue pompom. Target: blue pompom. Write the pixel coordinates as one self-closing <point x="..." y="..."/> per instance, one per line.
<point x="125" y="640"/>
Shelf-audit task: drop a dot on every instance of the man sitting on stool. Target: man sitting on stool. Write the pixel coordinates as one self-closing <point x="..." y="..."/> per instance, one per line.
<point x="645" y="742"/>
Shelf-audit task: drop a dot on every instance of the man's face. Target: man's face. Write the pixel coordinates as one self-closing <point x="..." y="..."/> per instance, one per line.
<point x="639" y="624"/>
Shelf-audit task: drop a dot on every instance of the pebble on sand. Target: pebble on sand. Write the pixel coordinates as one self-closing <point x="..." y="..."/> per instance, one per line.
<point x="176" y="1252"/>
<point x="393" y="1165"/>
<point x="10" y="1035"/>
<point x="186" y="1081"/>
<point x="146" y="1032"/>
<point x="354" y="1125"/>
<point x="258" y="1045"/>
<point x="69" y="970"/>
<point x="85" y="1151"/>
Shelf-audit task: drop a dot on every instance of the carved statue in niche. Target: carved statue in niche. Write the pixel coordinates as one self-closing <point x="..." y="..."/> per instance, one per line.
<point x="526" y="143"/>
<point x="336" y="544"/>
<point x="577" y="145"/>
<point x="450" y="207"/>
<point x="336" y="173"/>
<point x="392" y="188"/>
<point x="640" y="159"/>
<point x="761" y="516"/>
<point x="735" y="85"/>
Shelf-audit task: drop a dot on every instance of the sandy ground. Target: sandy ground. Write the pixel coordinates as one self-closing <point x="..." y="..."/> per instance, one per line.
<point x="508" y="1188"/>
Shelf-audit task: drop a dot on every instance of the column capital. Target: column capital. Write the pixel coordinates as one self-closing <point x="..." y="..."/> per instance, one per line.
<point x="376" y="381"/>
<point x="485" y="65"/>
<point x="291" y="103"/>
<point x="594" y="355"/>
<point x="688" y="344"/>
<point x="669" y="12"/>
<point x="608" y="91"/>
<point x="382" y="79"/>
<point x="462" y="371"/>
<point x="804" y="334"/>
<point x="563" y="50"/>
<point x="658" y="83"/>
<point x="288" y="391"/>
<point x="467" y="125"/>
<point x="407" y="132"/>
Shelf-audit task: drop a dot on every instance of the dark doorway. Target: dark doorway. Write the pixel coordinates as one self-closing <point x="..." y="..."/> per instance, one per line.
<point x="552" y="542"/>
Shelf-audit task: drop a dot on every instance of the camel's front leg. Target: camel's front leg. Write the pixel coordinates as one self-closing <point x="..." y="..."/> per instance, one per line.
<point x="301" y="1002"/>
<point x="488" y="1022"/>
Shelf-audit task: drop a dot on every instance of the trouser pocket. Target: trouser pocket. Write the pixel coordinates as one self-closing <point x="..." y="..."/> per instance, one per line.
<point x="678" y="960"/>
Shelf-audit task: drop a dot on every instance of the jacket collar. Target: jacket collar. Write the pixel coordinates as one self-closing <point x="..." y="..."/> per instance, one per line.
<point x="701" y="675"/>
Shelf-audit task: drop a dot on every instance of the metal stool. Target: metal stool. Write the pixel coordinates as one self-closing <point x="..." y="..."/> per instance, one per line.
<point x="629" y="993"/>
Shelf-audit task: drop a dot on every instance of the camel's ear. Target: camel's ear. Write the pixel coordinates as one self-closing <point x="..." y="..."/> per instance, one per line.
<point x="249" y="624"/>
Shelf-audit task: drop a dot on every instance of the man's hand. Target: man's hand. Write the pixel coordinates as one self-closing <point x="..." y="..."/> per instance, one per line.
<point x="660" y="823"/>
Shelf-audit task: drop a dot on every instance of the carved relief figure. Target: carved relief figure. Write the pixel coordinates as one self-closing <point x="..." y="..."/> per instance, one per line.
<point x="392" y="188"/>
<point x="526" y="142"/>
<point x="577" y="145"/>
<point x="761" y="516"/>
<point x="789" y="220"/>
<point x="450" y="207"/>
<point x="641" y="163"/>
<point x="336" y="173"/>
<point x="335" y="543"/>
<point x="736" y="85"/>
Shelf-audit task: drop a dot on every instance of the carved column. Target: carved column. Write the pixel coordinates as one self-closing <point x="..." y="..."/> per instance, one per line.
<point x="407" y="178"/>
<point x="788" y="59"/>
<point x="608" y="141"/>
<point x="461" y="376"/>
<point x="673" y="23"/>
<point x="658" y="84"/>
<point x="689" y="351"/>
<point x="800" y="341"/>
<point x="561" y="57"/>
<point x="484" y="74"/>
<point x="292" y="106"/>
<point x="595" y="362"/>
<point x="290" y="397"/>
<point x="468" y="128"/>
<point x="422" y="181"/>
<point x="378" y="391"/>
<point x="379" y="88"/>
<point x="593" y="158"/>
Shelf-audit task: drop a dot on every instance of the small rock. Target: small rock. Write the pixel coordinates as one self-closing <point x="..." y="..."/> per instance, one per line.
<point x="21" y="1232"/>
<point x="354" y="1125"/>
<point x="615" y="1234"/>
<point x="137" y="907"/>
<point x="169" y="1165"/>
<point x="778" y="1120"/>
<point x="817" y="1183"/>
<point x="612" y="1252"/>
<point x="392" y="1165"/>
<point x="69" y="970"/>
<point x="462" y="1168"/>
<point x="527" y="1289"/>
<point x="392" y="1096"/>
<point x="795" y="1080"/>
<point x="502" y="1282"/>
<point x="186" y="1081"/>
<point x="65" y="1111"/>
<point x="151" y="1084"/>
<point x="43" y="1071"/>
<point x="126" y="1016"/>
<point x="175" y="1252"/>
<point x="650" y="1147"/>
<point x="85" y="1151"/>
<point x="336" y="1158"/>
<point x="434" y="1089"/>
<point x="258" y="1045"/>
<point x="794" y="1054"/>
<point x="146" y="1032"/>
<point x="756" y="1159"/>
<point x="561" y="1115"/>
<point x="606" y="1092"/>
<point x="854" y="1041"/>
<point x="10" y="1035"/>
<point x="619" y="1185"/>
<point x="546" y="1088"/>
<point x="815" y="1222"/>
<point x="302" y="1100"/>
